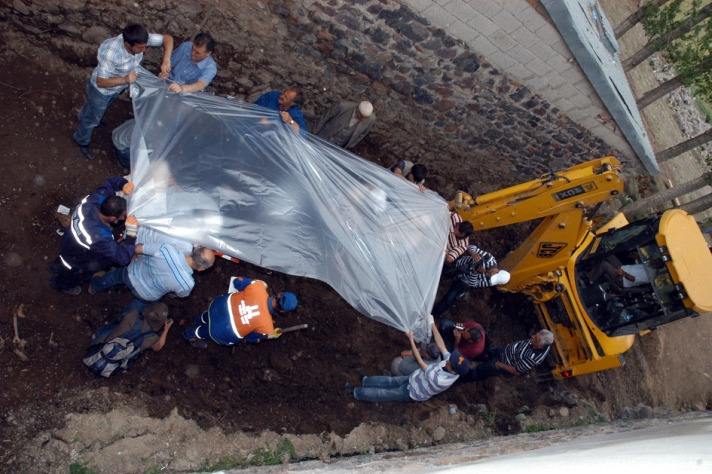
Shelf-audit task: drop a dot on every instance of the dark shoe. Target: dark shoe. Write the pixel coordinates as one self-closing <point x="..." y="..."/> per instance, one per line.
<point x="360" y="375"/>
<point x="86" y="151"/>
<point x="198" y="343"/>
<point x="349" y="389"/>
<point x="91" y="290"/>
<point x="102" y="125"/>
<point x="387" y="373"/>
<point x="463" y="296"/>
<point x="72" y="291"/>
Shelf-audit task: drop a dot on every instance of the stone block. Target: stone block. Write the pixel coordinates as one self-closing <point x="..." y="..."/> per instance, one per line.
<point x="521" y="55"/>
<point x="419" y="5"/>
<point x="539" y="67"/>
<point x="483" y="25"/>
<point x="506" y="21"/>
<point x="488" y="8"/>
<point x="483" y="46"/>
<point x="439" y="16"/>
<point x="532" y="19"/>
<point x="462" y="31"/>
<point x="503" y="41"/>
<point x="461" y="10"/>
<point x="520" y="72"/>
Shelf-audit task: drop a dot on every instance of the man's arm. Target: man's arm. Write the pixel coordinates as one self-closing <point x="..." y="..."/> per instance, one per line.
<point x="416" y="352"/>
<point x="107" y="82"/>
<point x="167" y="51"/>
<point x="162" y="338"/>
<point x="507" y="368"/>
<point x="439" y="339"/>
<point x="197" y="86"/>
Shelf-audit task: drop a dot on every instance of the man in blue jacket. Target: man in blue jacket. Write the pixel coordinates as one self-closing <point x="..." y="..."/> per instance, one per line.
<point x="282" y="102"/>
<point x="88" y="245"/>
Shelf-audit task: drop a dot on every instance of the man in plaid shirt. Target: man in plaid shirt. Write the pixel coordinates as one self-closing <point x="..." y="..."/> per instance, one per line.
<point x="118" y="59"/>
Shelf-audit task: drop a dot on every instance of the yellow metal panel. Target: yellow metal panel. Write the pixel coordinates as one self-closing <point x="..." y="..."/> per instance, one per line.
<point x="691" y="258"/>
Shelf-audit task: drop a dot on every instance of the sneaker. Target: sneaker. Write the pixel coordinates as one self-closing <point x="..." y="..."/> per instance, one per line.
<point x="198" y="343"/>
<point x="86" y="151"/>
<point x="91" y="289"/>
<point x="349" y="389"/>
<point x="72" y="291"/>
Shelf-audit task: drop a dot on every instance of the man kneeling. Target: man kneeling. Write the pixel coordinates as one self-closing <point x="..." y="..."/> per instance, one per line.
<point x="245" y="313"/>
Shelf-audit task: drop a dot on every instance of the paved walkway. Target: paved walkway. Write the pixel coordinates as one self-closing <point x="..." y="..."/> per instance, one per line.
<point x="522" y="41"/>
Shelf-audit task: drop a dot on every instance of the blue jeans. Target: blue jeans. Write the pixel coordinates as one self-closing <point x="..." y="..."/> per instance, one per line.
<point x="118" y="276"/>
<point x="92" y="113"/>
<point x="384" y="389"/>
<point x="457" y="287"/>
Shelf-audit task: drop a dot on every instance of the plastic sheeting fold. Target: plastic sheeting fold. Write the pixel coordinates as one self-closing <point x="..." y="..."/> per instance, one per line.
<point x="232" y="176"/>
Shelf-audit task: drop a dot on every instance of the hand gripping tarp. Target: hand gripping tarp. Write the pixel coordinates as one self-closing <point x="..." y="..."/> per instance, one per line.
<point x="233" y="177"/>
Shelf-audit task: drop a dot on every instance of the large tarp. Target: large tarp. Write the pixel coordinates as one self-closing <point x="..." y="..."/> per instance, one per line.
<point x="233" y="177"/>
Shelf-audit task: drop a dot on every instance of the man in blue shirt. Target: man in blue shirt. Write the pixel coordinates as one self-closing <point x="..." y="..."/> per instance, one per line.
<point x="283" y="103"/>
<point x="192" y="70"/>
<point x="118" y="59"/>
<point x="192" y="65"/>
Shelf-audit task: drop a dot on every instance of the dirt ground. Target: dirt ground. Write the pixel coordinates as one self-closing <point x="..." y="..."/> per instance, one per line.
<point x="291" y="385"/>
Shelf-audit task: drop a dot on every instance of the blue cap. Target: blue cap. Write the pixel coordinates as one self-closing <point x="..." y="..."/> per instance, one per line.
<point x="459" y="363"/>
<point x="288" y="301"/>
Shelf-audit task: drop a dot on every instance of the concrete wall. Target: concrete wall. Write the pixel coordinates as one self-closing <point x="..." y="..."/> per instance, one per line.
<point x="519" y="38"/>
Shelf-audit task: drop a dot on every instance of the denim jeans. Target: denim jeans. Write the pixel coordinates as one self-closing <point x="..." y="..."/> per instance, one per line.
<point x="457" y="287"/>
<point x="118" y="276"/>
<point x="92" y="113"/>
<point x="488" y="369"/>
<point x="384" y="389"/>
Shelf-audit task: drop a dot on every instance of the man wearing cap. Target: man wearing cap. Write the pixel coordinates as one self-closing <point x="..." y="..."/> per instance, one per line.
<point x="245" y="313"/>
<point x="419" y="386"/>
<point x="477" y="269"/>
<point x="154" y="319"/>
<point x="515" y="359"/>
<point x="346" y="124"/>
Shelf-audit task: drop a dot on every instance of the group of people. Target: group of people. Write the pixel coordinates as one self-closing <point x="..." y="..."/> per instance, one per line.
<point x="151" y="266"/>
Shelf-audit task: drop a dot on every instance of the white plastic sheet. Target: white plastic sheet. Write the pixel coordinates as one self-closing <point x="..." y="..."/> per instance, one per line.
<point x="233" y="177"/>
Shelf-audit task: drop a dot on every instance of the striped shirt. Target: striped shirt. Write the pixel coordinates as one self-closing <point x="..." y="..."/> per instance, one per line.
<point x="424" y="384"/>
<point x="456" y="246"/>
<point x="115" y="61"/>
<point x="161" y="269"/>
<point x="523" y="356"/>
<point x="468" y="267"/>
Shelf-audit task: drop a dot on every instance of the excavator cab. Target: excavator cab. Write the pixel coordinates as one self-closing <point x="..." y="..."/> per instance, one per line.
<point x="617" y="305"/>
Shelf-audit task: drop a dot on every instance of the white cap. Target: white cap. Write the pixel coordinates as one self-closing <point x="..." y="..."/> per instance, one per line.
<point x="365" y="108"/>
<point x="500" y="278"/>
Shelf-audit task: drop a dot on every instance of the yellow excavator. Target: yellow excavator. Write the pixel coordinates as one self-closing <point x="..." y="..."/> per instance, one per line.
<point x="582" y="282"/>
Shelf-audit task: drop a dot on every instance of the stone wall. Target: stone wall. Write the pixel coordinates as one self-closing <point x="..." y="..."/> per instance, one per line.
<point x="437" y="101"/>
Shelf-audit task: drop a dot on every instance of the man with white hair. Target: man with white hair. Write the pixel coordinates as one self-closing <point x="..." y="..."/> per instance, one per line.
<point x="516" y="359"/>
<point x="346" y="124"/>
<point x="476" y="269"/>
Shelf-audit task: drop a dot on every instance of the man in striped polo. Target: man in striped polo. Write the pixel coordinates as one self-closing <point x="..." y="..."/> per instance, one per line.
<point x="516" y="359"/>
<point x="419" y="386"/>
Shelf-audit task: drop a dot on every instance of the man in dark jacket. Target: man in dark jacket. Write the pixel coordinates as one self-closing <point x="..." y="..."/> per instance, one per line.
<point x="88" y="245"/>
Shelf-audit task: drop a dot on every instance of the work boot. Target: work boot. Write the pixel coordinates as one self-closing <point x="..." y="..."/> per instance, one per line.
<point x="86" y="151"/>
<point x="91" y="290"/>
<point x="198" y="343"/>
<point x="360" y="375"/>
<point x="71" y="291"/>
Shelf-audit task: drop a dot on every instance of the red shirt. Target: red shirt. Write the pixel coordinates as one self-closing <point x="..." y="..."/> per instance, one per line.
<point x="472" y="349"/>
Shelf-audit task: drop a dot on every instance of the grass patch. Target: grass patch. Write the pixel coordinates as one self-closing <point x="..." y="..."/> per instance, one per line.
<point x="80" y="468"/>
<point x="259" y="457"/>
<point x="536" y="428"/>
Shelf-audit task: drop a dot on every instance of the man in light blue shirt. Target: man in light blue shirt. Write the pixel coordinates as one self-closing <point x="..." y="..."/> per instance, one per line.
<point x="192" y="65"/>
<point x="160" y="269"/>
